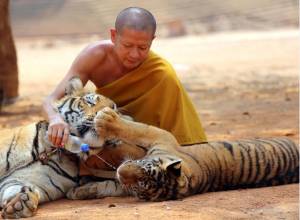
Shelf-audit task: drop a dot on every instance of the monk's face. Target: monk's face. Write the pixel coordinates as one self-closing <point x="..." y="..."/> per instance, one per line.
<point x="131" y="46"/>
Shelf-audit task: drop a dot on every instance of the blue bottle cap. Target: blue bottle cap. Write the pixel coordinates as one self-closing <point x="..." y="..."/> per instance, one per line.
<point x="84" y="147"/>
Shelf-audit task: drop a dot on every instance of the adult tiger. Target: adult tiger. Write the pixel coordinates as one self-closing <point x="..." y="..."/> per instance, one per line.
<point x="170" y="171"/>
<point x="30" y="172"/>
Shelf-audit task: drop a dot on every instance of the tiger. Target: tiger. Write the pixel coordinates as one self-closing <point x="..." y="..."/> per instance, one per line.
<point x="32" y="172"/>
<point x="169" y="171"/>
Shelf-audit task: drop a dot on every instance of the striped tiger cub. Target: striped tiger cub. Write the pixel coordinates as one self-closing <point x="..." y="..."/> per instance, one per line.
<point x="30" y="171"/>
<point x="169" y="171"/>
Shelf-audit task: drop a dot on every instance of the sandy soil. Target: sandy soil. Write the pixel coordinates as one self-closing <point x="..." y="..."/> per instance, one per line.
<point x="243" y="85"/>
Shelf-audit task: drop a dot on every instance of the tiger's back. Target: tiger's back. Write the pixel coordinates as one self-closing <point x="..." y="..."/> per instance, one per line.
<point x="245" y="163"/>
<point x="16" y="147"/>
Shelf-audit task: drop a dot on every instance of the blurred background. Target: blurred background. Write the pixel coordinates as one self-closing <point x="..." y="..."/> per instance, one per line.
<point x="31" y="18"/>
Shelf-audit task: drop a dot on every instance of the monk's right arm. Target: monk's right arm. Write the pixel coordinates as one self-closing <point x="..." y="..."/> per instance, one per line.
<point x="83" y="65"/>
<point x="58" y="130"/>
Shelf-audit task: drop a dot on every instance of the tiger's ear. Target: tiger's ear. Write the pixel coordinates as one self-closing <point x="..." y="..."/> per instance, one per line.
<point x="174" y="167"/>
<point x="74" y="86"/>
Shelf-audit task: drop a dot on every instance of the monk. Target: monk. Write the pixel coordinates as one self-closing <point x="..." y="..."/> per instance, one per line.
<point x="137" y="79"/>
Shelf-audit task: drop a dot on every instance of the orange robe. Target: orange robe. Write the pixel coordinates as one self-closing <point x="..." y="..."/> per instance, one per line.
<point x="152" y="94"/>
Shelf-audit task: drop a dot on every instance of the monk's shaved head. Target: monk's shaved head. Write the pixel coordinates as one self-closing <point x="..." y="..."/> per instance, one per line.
<point x="135" y="18"/>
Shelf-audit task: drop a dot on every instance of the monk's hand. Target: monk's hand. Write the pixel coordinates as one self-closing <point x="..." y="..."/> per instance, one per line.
<point x="58" y="131"/>
<point x="107" y="123"/>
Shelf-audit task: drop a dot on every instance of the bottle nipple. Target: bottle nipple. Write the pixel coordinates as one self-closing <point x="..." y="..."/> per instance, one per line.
<point x="84" y="148"/>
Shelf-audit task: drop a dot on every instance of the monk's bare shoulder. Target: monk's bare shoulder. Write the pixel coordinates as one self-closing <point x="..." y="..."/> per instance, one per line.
<point x="91" y="57"/>
<point x="98" y="50"/>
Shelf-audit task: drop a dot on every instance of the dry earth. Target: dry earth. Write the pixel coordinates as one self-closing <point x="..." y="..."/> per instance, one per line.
<point x="243" y="84"/>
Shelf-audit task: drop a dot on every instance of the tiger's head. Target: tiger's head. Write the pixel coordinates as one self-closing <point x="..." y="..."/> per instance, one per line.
<point x="152" y="178"/>
<point x="79" y="108"/>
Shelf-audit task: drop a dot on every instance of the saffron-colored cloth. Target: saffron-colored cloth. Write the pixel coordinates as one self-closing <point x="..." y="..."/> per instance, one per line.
<point x="152" y="94"/>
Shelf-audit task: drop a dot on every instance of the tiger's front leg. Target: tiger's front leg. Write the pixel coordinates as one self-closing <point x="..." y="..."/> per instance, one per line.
<point x="96" y="190"/>
<point x="21" y="205"/>
<point x="110" y="125"/>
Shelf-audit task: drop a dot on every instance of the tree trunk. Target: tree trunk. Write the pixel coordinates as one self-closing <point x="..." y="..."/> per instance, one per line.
<point x="9" y="82"/>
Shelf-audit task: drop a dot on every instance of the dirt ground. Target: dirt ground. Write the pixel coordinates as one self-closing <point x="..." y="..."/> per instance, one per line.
<point x="244" y="85"/>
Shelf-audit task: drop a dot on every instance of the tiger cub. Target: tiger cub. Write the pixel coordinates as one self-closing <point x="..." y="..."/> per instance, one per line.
<point x="171" y="171"/>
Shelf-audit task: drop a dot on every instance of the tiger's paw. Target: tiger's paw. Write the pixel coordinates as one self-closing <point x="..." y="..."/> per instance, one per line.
<point x="107" y="123"/>
<point x="23" y="204"/>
